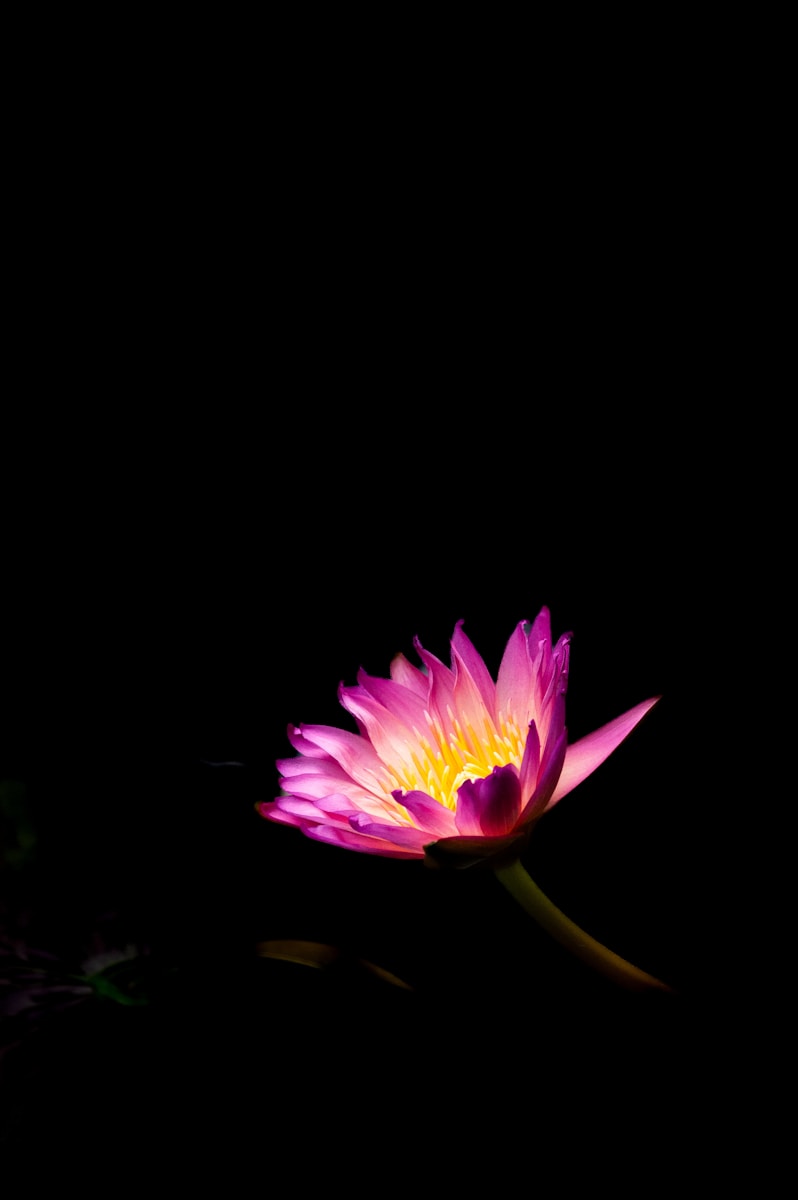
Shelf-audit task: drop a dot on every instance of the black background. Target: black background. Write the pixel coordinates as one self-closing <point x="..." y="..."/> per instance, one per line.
<point x="281" y="404"/>
<point x="213" y="583"/>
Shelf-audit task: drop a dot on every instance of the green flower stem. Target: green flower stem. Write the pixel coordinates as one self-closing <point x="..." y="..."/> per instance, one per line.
<point x="532" y="900"/>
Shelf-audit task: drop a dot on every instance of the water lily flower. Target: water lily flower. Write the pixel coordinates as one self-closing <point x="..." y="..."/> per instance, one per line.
<point x="447" y="765"/>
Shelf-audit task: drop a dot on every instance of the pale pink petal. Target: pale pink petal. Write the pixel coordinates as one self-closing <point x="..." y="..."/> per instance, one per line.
<point x="300" y="743"/>
<point x="326" y="767"/>
<point x="589" y="752"/>
<point x="428" y="814"/>
<point x="306" y="810"/>
<point x="336" y="802"/>
<point x="402" y="702"/>
<point x="468" y="708"/>
<point x="316" y="787"/>
<point x="389" y="736"/>
<point x="465" y="657"/>
<point x="514" y="682"/>
<point x="350" y="750"/>
<point x="441" y="686"/>
<point x="317" y="778"/>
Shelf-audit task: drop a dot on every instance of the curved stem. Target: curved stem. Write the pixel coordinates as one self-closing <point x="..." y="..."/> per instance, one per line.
<point x="532" y="900"/>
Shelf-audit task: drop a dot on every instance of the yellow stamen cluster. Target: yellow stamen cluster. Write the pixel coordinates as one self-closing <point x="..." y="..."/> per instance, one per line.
<point x="441" y="761"/>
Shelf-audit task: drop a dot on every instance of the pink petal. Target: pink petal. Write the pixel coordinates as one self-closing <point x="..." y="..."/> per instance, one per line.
<point x="405" y="673"/>
<point x="350" y="750"/>
<point x="467" y="659"/>
<point x="589" y="752"/>
<point x="489" y="806"/>
<point x="429" y="814"/>
<point x="306" y="810"/>
<point x="501" y="801"/>
<point x="317" y="787"/>
<point x="300" y="764"/>
<point x="358" y="841"/>
<point x="405" y="836"/>
<point x="468" y="810"/>
<point x="514" y="681"/>
<point x="553" y="677"/>
<point x="298" y="740"/>
<point x="389" y="736"/>
<point x="402" y="702"/>
<point x="530" y="763"/>
<point x="324" y="768"/>
<point x="272" y="812"/>
<point x="441" y="686"/>
<point x="550" y="771"/>
<point x="539" y="637"/>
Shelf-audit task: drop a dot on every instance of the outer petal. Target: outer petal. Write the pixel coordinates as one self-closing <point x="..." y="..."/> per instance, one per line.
<point x="354" y="753"/>
<point x="297" y="738"/>
<point x="273" y="812"/>
<point x="294" y="810"/>
<point x="300" y="764"/>
<point x="316" y="777"/>
<point x="291" y="809"/>
<point x="582" y="758"/>
<point x="404" y="836"/>
<point x="358" y="841"/>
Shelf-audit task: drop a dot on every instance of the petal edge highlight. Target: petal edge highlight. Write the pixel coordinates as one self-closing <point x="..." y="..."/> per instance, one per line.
<point x="583" y="757"/>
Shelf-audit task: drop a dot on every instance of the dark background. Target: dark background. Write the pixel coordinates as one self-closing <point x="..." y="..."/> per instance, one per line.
<point x="182" y="600"/>
<point x="279" y="405"/>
